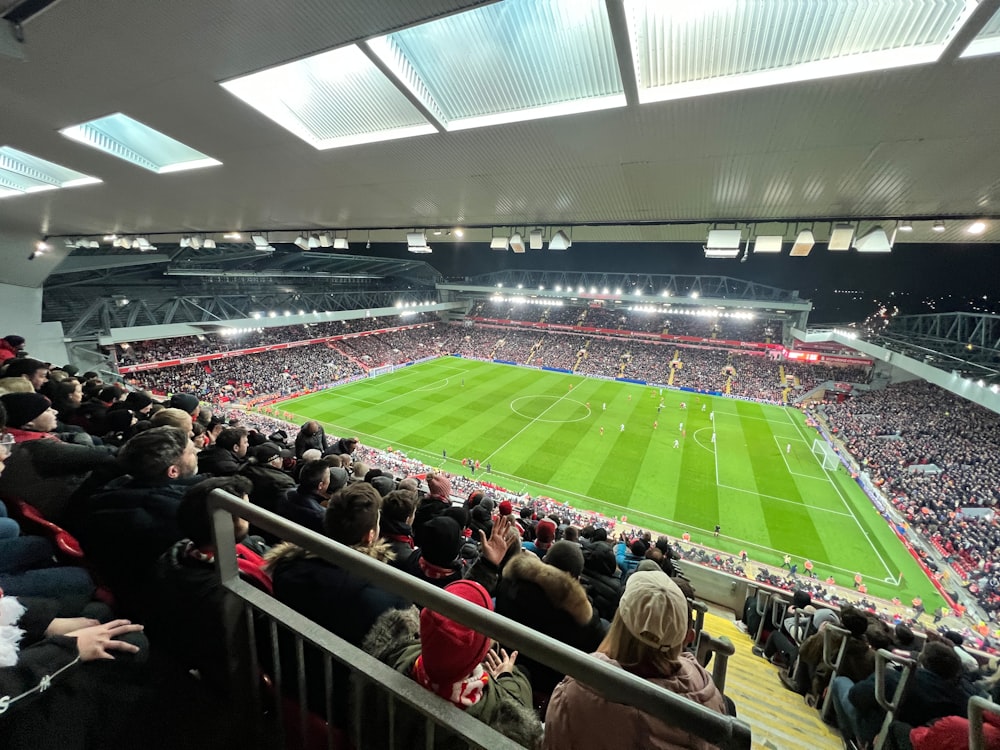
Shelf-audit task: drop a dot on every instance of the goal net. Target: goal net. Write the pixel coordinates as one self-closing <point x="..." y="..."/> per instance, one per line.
<point x="385" y="370"/>
<point x="825" y="454"/>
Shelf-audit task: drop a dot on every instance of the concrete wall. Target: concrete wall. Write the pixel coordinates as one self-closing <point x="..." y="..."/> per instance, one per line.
<point x="21" y="313"/>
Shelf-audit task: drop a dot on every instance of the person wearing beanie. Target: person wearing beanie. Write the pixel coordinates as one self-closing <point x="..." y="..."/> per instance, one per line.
<point x="30" y="416"/>
<point x="34" y="371"/>
<point x="550" y="599"/>
<point x="629" y="554"/>
<point x="439" y="487"/>
<point x="269" y="482"/>
<point x="480" y="517"/>
<point x="545" y="535"/>
<point x="186" y="402"/>
<point x="454" y="662"/>
<point x="505" y="508"/>
<point x="398" y="509"/>
<point x="647" y="638"/>
<point x="139" y="402"/>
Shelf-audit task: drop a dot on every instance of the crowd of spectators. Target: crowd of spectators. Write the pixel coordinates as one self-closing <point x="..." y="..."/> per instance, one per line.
<point x="161" y="350"/>
<point x="934" y="455"/>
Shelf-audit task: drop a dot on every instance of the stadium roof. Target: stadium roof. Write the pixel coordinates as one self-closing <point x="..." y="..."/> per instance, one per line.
<point x="548" y="113"/>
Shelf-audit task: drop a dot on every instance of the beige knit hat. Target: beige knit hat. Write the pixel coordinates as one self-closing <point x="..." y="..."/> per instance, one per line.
<point x="655" y="611"/>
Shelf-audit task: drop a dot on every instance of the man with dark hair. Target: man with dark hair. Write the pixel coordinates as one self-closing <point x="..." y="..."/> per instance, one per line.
<point x="225" y="458"/>
<point x="126" y="526"/>
<point x="331" y="596"/>
<point x="34" y="371"/>
<point x="263" y="469"/>
<point x="305" y="504"/>
<point x="398" y="510"/>
<point x="10" y="347"/>
<point x="344" y="446"/>
<point x="187" y="608"/>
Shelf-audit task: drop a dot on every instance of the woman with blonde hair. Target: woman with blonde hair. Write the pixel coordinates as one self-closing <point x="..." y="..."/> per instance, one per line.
<point x="647" y="638"/>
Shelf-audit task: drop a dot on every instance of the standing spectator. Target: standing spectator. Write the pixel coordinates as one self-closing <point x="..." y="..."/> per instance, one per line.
<point x="263" y="469"/>
<point x="10" y="347"/>
<point x="226" y="457"/>
<point x="312" y="435"/>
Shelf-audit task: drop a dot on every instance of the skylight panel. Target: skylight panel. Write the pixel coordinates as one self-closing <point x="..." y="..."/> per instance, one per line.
<point x="336" y="98"/>
<point x="22" y="173"/>
<point x="507" y="62"/>
<point x="987" y="41"/>
<point x="683" y="49"/>
<point x="128" y="139"/>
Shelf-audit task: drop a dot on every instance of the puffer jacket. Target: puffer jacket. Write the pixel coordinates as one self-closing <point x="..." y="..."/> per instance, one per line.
<point x="579" y="717"/>
<point x="601" y="579"/>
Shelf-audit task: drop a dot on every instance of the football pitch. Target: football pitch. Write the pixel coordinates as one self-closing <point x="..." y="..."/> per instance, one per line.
<point x="609" y="446"/>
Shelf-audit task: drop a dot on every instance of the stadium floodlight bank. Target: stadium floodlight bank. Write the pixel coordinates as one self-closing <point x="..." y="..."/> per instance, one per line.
<point x="617" y="685"/>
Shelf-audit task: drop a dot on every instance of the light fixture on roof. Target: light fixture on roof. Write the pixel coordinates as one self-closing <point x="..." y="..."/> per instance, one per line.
<point x="260" y="243"/>
<point x="976" y="227"/>
<point x="208" y="243"/>
<point x="325" y="240"/>
<point x="560" y="241"/>
<point x="535" y="239"/>
<point x="840" y="237"/>
<point x="875" y="240"/>
<point x="460" y="233"/>
<point x="341" y="243"/>
<point x="905" y="226"/>
<point x="313" y="241"/>
<point x="803" y="244"/>
<point x="302" y="241"/>
<point x="232" y="236"/>
<point x="185" y="242"/>
<point x="498" y="242"/>
<point x="938" y="226"/>
<point x="517" y="243"/>
<point x="722" y="243"/>
<point x="767" y="243"/>
<point x="416" y="239"/>
<point x="196" y="240"/>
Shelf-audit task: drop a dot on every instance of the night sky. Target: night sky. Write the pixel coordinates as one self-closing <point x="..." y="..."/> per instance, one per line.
<point x="916" y="278"/>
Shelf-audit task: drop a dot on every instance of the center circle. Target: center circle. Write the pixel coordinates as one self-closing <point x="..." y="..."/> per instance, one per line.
<point x="551" y="409"/>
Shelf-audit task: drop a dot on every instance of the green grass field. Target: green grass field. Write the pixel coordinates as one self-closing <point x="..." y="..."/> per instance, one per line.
<point x="541" y="432"/>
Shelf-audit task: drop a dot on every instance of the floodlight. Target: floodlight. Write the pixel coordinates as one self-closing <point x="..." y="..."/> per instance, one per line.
<point x="416" y="239"/>
<point x="516" y="243"/>
<point x="208" y="243"/>
<point x="874" y="240"/>
<point x="302" y="241"/>
<point x="420" y="249"/>
<point x="976" y="227"/>
<point x="905" y="226"/>
<point x="840" y="237"/>
<point x="498" y="243"/>
<point x="723" y="243"/>
<point x="185" y="242"/>
<point x="768" y="243"/>
<point x="803" y="244"/>
<point x="313" y="241"/>
<point x="535" y="239"/>
<point x="196" y="242"/>
<point x="560" y="241"/>
<point x="325" y="240"/>
<point x="938" y="226"/>
<point x="260" y="242"/>
<point x="340" y="243"/>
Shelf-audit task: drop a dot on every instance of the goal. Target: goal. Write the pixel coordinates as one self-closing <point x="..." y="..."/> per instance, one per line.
<point x="825" y="454"/>
<point x="385" y="370"/>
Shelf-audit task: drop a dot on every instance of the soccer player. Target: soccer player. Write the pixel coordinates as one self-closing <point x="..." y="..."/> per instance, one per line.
<point x="713" y="437"/>
<point x="602" y="430"/>
<point x="604" y="406"/>
<point x="681" y="428"/>
<point x="711" y="416"/>
<point x="684" y="405"/>
<point x="630" y="397"/>
<point x="659" y="408"/>
<point x="588" y="406"/>
<point x="655" y="424"/>
<point x="622" y="428"/>
<point x="788" y="448"/>
<point x="788" y="562"/>
<point x="677" y="443"/>
<point x="444" y="454"/>
<point x="718" y="528"/>
<point x="703" y="407"/>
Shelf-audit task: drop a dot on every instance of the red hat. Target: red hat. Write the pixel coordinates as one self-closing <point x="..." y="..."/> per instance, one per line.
<point x="545" y="531"/>
<point x="506" y="507"/>
<point x="451" y="651"/>
<point x="440" y="486"/>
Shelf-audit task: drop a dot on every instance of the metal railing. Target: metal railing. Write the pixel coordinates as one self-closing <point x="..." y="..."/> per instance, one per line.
<point x="616" y="685"/>
<point x="977" y="740"/>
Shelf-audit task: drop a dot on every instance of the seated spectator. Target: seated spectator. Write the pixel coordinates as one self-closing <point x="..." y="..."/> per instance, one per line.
<point x="306" y="504"/>
<point x="969" y="663"/>
<point x="263" y="469"/>
<point x="334" y="598"/>
<point x="602" y="579"/>
<point x="172" y="417"/>
<point x="647" y="638"/>
<point x="43" y="470"/>
<point x="187" y="403"/>
<point x="545" y="536"/>
<point x="630" y="554"/>
<point x="226" y="456"/>
<point x="456" y="663"/>
<point x="547" y="597"/>
<point x="188" y="609"/>
<point x="32" y="370"/>
<point x="398" y="510"/>
<point x="127" y="525"/>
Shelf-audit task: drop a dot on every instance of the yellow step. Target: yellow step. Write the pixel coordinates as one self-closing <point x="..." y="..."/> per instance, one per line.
<point x="779" y="718"/>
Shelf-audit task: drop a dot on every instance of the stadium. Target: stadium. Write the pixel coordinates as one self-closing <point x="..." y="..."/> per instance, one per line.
<point x="459" y="371"/>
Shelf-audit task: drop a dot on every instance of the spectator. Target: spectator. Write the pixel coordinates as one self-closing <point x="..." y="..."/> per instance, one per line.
<point x="226" y="457"/>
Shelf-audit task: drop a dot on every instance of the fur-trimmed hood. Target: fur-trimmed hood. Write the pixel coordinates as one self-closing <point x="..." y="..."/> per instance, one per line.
<point x="561" y="589"/>
<point x="286" y="552"/>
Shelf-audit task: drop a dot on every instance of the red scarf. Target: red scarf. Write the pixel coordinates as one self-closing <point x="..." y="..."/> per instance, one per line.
<point x="434" y="572"/>
<point x="464" y="693"/>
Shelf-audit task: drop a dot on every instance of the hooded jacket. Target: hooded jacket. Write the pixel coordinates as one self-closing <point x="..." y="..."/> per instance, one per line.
<point x="552" y="602"/>
<point x="270" y="485"/>
<point x="579" y="717"/>
<point x="601" y="579"/>
<point x="505" y="704"/>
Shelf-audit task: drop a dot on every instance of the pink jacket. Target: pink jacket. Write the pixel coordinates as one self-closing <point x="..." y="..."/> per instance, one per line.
<point x="578" y="717"/>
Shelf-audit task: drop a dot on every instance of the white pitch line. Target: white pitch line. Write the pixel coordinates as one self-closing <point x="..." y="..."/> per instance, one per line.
<point x="788" y="466"/>
<point x="847" y="505"/>
<point x="532" y="421"/>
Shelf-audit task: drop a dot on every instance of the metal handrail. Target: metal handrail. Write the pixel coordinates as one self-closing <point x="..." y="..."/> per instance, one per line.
<point x="977" y="705"/>
<point x="614" y="684"/>
<point x="832" y="662"/>
<point x="882" y="659"/>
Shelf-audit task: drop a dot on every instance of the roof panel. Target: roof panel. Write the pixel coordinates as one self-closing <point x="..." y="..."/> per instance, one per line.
<point x="130" y="140"/>
<point x="689" y="49"/>
<point x="24" y="173"/>
<point x="987" y="41"/>
<point x="511" y="61"/>
<point x="333" y="99"/>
